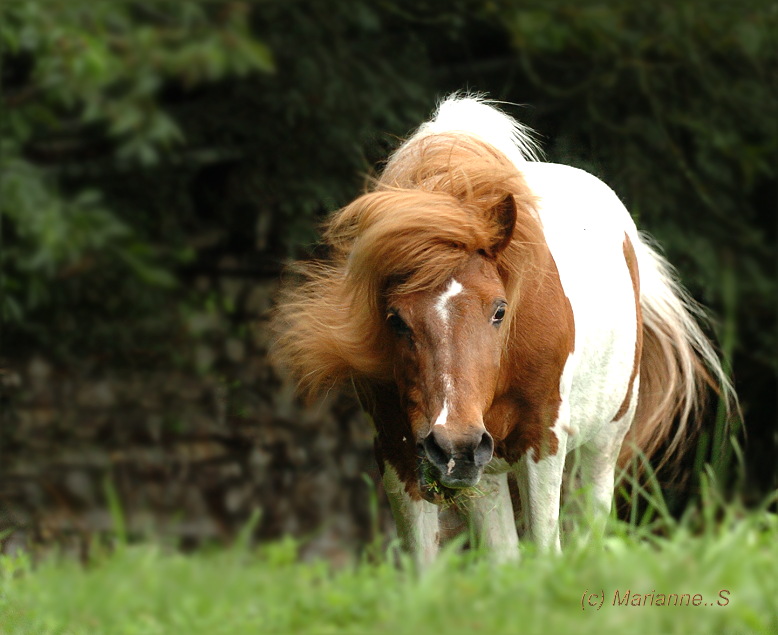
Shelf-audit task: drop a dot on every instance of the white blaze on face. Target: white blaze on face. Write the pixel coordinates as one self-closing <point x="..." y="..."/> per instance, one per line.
<point x="444" y="311"/>
<point x="454" y="288"/>
<point x="441" y="420"/>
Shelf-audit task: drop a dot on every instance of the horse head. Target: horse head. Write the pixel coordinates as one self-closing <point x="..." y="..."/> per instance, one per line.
<point x="446" y="346"/>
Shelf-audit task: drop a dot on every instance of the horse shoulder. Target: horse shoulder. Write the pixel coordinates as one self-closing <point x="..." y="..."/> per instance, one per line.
<point x="394" y="441"/>
<point x="532" y="393"/>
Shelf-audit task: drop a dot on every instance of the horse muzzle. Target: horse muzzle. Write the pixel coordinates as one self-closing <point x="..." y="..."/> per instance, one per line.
<point x="455" y="461"/>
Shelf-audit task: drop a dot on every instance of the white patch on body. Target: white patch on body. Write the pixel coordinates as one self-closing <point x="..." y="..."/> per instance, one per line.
<point x="584" y="224"/>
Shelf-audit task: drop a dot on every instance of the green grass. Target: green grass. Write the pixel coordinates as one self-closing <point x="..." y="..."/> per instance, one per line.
<point x="147" y="589"/>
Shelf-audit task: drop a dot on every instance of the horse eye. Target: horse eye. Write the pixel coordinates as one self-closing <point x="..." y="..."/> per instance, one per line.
<point x="397" y="324"/>
<point x="499" y="315"/>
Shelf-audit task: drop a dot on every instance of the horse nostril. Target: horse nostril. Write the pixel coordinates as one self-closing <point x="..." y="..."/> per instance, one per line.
<point x="484" y="450"/>
<point x="435" y="453"/>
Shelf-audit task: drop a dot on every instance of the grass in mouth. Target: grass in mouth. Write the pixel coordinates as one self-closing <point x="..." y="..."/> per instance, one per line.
<point x="438" y="493"/>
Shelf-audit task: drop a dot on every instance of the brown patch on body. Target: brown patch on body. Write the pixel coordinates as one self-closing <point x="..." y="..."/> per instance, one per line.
<point x="541" y="340"/>
<point x="395" y="442"/>
<point x="632" y="265"/>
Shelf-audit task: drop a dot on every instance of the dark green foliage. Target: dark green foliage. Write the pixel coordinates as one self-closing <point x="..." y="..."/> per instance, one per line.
<point x="84" y="112"/>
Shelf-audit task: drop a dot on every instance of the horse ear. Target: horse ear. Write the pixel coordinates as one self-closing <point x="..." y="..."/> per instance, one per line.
<point x="504" y="216"/>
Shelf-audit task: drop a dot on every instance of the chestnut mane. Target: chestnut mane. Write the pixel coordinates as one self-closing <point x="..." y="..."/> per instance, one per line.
<point x="433" y="206"/>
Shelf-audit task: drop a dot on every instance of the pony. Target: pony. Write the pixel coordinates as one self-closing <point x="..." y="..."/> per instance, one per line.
<point x="495" y="313"/>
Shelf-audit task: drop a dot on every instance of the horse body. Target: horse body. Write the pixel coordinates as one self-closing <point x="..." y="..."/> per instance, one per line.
<point x="494" y="313"/>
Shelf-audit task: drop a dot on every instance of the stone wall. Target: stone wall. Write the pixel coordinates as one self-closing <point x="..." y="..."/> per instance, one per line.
<point x="190" y="453"/>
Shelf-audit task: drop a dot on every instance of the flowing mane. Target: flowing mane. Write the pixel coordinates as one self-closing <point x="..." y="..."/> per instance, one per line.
<point x="426" y="214"/>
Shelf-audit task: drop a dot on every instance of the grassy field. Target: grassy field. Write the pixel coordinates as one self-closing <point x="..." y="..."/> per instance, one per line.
<point x="723" y="572"/>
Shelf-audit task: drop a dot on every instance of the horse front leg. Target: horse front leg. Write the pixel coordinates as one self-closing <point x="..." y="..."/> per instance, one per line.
<point x="540" y="485"/>
<point x="416" y="520"/>
<point x="598" y="460"/>
<point x="489" y="512"/>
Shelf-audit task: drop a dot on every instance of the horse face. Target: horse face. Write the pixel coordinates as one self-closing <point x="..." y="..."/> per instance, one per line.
<point x="447" y="348"/>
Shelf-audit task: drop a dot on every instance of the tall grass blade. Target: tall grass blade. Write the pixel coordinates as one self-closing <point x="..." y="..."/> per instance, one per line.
<point x="116" y="512"/>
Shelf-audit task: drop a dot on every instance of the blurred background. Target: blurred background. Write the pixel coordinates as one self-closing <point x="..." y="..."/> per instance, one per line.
<point x="161" y="162"/>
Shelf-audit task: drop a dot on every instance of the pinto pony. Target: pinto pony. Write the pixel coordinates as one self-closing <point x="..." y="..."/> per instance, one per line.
<point x="495" y="313"/>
